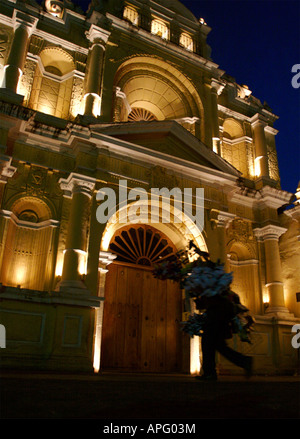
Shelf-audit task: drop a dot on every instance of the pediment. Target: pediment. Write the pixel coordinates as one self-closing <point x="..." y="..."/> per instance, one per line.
<point x="169" y="138"/>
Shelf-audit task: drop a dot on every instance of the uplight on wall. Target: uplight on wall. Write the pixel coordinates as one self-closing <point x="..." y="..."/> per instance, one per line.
<point x="195" y="356"/>
<point x="20" y="276"/>
<point x="59" y="267"/>
<point x="96" y="103"/>
<point x="266" y="298"/>
<point x="257" y="167"/>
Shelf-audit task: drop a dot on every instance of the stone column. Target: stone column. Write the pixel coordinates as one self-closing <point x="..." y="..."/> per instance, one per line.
<point x="6" y="172"/>
<point x="273" y="274"/>
<point x="261" y="151"/>
<point x="224" y="219"/>
<point x="81" y="188"/>
<point x="98" y="38"/>
<point x="105" y="258"/>
<point x="17" y="55"/>
<point x="216" y="90"/>
<point x="96" y="233"/>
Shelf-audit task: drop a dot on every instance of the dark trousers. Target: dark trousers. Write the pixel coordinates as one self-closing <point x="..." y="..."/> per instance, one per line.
<point x="212" y="342"/>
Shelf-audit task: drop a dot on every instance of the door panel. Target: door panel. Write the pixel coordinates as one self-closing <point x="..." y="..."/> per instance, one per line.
<point x="141" y="322"/>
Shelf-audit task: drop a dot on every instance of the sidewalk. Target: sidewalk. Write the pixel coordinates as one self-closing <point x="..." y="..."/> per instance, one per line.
<point x="153" y="397"/>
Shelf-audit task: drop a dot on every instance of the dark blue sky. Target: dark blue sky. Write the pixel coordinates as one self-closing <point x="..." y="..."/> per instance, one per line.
<point x="257" y="42"/>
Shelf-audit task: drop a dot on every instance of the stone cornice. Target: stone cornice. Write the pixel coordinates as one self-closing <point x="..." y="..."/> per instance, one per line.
<point x="272" y="197"/>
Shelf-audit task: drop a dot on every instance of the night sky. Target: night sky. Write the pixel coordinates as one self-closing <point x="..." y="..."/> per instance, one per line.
<point x="258" y="42"/>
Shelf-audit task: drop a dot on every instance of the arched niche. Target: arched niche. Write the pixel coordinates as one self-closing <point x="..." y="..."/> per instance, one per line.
<point x="52" y="84"/>
<point x="159" y="88"/>
<point x="243" y="263"/>
<point x="28" y="244"/>
<point x="236" y="148"/>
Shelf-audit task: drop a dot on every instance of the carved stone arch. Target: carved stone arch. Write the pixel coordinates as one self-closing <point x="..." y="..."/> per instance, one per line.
<point x="44" y="207"/>
<point x="24" y="203"/>
<point x="242" y="251"/>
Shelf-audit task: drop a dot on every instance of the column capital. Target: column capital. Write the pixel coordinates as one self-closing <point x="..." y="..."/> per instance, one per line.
<point x="96" y="34"/>
<point x="217" y="86"/>
<point x="6" y="170"/>
<point x="271" y="231"/>
<point x="77" y="183"/>
<point x="20" y="19"/>
<point x="258" y="119"/>
<point x="225" y="218"/>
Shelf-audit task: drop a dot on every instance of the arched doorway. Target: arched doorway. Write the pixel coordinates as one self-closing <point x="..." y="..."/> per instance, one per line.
<point x="141" y="320"/>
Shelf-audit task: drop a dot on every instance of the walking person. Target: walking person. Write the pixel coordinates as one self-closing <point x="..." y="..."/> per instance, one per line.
<point x="217" y="328"/>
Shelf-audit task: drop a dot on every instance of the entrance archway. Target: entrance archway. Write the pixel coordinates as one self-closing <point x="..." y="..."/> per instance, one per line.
<point x="141" y="320"/>
<point x="179" y="233"/>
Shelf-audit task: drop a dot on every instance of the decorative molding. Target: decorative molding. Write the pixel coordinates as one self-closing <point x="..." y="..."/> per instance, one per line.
<point x="237" y="140"/>
<point x="106" y="258"/>
<point x="27" y="224"/>
<point x="246" y="262"/>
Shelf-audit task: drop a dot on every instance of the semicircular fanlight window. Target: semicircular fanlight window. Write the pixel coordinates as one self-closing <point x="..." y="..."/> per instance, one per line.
<point x="141" y="245"/>
<point x="140" y="114"/>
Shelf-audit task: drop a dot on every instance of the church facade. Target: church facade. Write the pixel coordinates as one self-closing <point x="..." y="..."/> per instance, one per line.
<point x="126" y="95"/>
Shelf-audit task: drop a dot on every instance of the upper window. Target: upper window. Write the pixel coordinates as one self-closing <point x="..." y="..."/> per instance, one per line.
<point x="186" y="41"/>
<point x="158" y="27"/>
<point x="131" y="15"/>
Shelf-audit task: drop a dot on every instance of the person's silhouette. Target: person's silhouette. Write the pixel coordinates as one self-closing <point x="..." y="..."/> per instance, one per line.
<point x="216" y="330"/>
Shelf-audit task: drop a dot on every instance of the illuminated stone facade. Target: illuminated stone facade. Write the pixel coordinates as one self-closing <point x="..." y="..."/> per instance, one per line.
<point x="129" y="91"/>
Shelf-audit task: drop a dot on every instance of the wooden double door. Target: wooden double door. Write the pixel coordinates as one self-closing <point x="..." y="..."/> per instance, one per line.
<point x="141" y="322"/>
